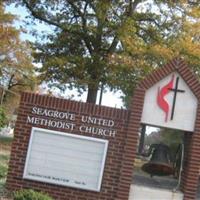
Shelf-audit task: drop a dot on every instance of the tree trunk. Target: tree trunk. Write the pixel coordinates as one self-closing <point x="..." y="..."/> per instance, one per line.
<point x="142" y="138"/>
<point x="2" y="93"/>
<point x="92" y="95"/>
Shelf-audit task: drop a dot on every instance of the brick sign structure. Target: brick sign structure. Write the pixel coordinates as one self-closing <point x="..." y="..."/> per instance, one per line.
<point x="71" y="150"/>
<point x="74" y="150"/>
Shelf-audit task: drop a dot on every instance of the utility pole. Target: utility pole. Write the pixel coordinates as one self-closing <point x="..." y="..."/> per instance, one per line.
<point x="101" y="94"/>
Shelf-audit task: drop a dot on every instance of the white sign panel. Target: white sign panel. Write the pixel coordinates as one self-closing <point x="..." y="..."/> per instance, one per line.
<point x="65" y="159"/>
<point x="170" y="103"/>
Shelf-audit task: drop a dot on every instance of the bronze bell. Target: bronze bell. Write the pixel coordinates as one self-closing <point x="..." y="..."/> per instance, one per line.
<point x="160" y="162"/>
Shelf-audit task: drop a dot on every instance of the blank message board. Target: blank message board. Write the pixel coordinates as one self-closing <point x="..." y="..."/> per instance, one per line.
<point x="65" y="159"/>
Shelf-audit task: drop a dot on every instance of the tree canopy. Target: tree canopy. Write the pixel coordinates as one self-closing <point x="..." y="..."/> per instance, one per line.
<point x="16" y="68"/>
<point x="113" y="43"/>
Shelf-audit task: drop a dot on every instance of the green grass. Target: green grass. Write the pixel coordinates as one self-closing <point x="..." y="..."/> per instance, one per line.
<point x="6" y="140"/>
<point x="2" y="186"/>
<point x="4" y="159"/>
<point x="5" y="144"/>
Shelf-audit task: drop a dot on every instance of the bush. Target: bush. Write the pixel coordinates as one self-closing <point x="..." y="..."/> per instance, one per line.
<point x="27" y="194"/>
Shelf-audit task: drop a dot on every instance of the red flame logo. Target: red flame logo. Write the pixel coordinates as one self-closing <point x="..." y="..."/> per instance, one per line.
<point x="160" y="97"/>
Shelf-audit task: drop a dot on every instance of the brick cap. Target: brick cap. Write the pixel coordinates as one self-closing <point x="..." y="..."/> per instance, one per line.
<point x="176" y="65"/>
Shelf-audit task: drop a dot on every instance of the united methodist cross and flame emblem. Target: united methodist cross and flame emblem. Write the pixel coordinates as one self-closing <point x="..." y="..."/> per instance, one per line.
<point x="171" y="86"/>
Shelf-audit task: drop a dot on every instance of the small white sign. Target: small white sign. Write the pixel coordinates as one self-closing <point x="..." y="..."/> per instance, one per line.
<point x="65" y="159"/>
<point x="170" y="103"/>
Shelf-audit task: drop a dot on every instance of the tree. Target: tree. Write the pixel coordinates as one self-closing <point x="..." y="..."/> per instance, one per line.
<point x="16" y="68"/>
<point x="2" y="118"/>
<point x="112" y="43"/>
<point x="173" y="138"/>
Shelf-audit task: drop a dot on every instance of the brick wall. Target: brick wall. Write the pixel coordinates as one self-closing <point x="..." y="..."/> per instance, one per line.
<point x="114" y="167"/>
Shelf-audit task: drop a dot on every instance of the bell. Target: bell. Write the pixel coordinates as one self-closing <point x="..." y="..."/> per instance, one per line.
<point x="160" y="161"/>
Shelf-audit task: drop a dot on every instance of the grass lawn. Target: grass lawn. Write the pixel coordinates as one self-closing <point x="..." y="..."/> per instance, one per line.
<point x="6" y="140"/>
<point x="5" y="143"/>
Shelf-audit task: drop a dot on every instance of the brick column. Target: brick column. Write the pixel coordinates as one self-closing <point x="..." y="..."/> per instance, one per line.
<point x="190" y="175"/>
<point x="131" y="144"/>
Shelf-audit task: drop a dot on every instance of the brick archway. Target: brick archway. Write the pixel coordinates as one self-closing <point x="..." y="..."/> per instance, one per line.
<point x="190" y="175"/>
